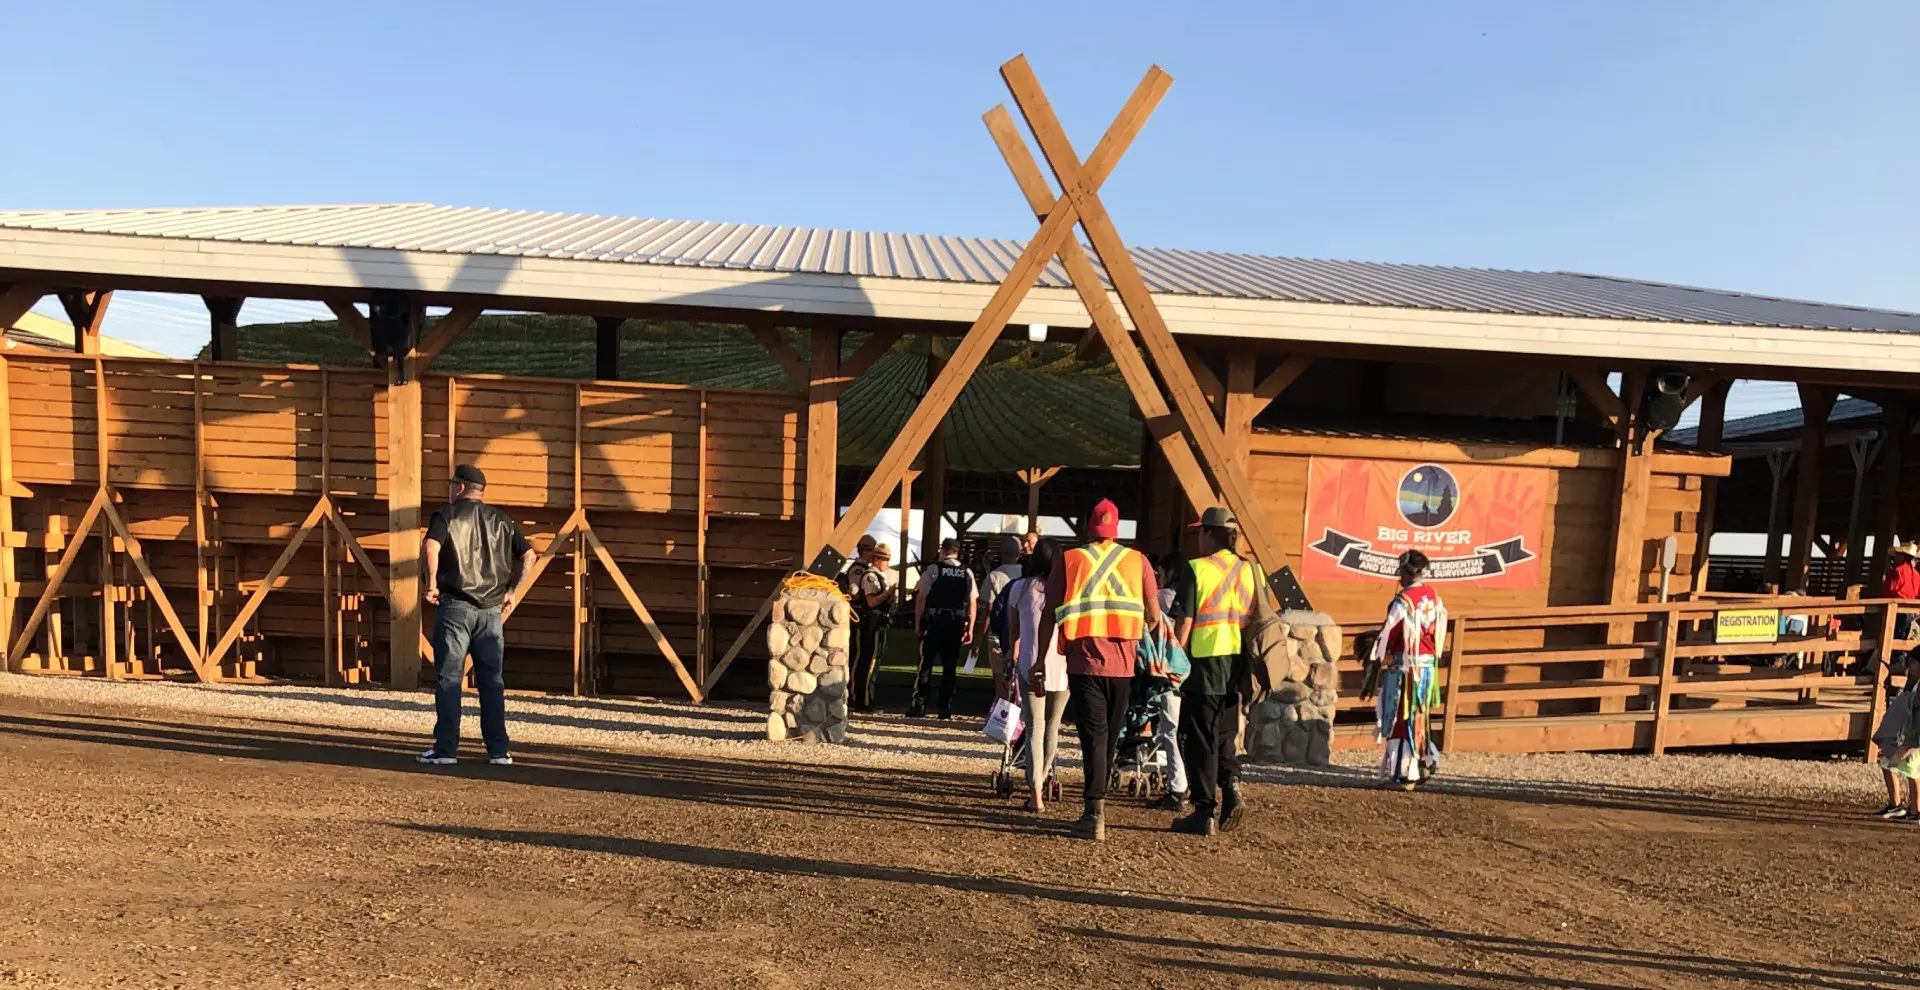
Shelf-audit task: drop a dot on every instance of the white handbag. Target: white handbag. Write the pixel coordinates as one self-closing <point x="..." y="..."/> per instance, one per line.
<point x="1003" y="722"/>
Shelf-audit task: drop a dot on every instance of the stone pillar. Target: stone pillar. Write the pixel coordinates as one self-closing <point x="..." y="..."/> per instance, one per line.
<point x="808" y="636"/>
<point x="1292" y="721"/>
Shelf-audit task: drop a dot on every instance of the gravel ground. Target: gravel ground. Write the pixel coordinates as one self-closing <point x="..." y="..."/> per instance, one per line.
<point x="890" y="742"/>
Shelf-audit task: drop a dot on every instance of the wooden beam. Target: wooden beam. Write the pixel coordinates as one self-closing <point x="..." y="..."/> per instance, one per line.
<point x="1204" y="375"/>
<point x="606" y="347"/>
<point x="867" y="355"/>
<point x="259" y="596"/>
<point x="1863" y="452"/>
<point x="1593" y="385"/>
<point x="1035" y="478"/>
<point x="823" y="443"/>
<point x="1147" y="395"/>
<point x="640" y="609"/>
<point x="1713" y="424"/>
<point x="154" y="588"/>
<point x="703" y="576"/>
<point x="223" y="313"/>
<point x="1895" y="426"/>
<point x="1081" y="191"/>
<point x="1628" y="560"/>
<point x="1281" y="379"/>
<point x="782" y="352"/>
<point x="442" y="334"/>
<point x="972" y="348"/>
<point x="351" y="320"/>
<point x="1241" y="405"/>
<point x="86" y="310"/>
<point x="17" y="300"/>
<point x="404" y="467"/>
<point x="1779" y="462"/>
<point x="1091" y="341"/>
<point x="1816" y="405"/>
<point x="568" y="530"/>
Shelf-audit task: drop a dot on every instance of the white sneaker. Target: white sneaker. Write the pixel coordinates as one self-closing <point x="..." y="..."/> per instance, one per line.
<point x="500" y="761"/>
<point x="432" y="758"/>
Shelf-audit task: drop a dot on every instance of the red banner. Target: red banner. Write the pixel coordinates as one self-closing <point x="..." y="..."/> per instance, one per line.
<point x="1477" y="524"/>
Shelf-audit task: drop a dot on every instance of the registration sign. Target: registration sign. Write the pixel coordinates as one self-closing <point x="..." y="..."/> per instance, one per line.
<point x="1746" y="625"/>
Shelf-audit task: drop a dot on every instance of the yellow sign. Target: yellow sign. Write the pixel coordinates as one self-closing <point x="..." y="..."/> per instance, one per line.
<point x="1747" y="625"/>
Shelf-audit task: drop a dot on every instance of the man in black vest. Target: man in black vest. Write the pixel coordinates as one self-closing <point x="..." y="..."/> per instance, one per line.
<point x="943" y="615"/>
<point x="475" y="556"/>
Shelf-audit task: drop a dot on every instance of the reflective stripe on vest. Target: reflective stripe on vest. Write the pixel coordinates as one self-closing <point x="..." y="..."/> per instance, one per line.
<point x="1225" y="593"/>
<point x="1103" y="597"/>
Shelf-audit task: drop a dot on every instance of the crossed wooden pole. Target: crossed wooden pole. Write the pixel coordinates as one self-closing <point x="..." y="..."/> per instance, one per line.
<point x="1181" y="431"/>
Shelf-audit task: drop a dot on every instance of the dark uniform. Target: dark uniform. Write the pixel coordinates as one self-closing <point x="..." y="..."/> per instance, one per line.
<point x="943" y="629"/>
<point x="869" y="635"/>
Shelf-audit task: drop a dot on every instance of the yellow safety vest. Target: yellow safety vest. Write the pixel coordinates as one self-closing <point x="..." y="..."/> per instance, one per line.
<point x="1223" y="590"/>
<point x="1103" y="594"/>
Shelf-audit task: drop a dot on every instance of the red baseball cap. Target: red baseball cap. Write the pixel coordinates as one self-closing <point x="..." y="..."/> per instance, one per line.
<point x="1104" y="523"/>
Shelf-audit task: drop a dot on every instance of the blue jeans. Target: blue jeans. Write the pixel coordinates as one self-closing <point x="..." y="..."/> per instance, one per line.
<point x="461" y="629"/>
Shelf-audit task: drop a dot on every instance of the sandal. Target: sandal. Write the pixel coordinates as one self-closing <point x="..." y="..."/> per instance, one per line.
<point x="1035" y="806"/>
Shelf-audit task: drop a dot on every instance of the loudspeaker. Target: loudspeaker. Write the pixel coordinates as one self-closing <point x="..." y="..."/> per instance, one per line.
<point x="1665" y="400"/>
<point x="390" y="325"/>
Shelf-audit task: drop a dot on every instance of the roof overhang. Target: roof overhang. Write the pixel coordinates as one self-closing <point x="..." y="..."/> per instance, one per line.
<point x="569" y="285"/>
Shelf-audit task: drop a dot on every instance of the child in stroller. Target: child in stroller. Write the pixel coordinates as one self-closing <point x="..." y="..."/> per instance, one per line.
<point x="1014" y="757"/>
<point x="1147" y="760"/>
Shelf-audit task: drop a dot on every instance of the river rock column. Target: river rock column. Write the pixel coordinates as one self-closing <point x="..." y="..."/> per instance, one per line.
<point x="1293" y="724"/>
<point x="807" y="644"/>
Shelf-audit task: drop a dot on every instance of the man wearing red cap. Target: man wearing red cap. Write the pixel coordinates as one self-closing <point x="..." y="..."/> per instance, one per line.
<point x="1101" y="600"/>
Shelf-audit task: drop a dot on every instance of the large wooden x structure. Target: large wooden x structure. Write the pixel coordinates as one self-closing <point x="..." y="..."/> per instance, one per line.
<point x="1189" y="421"/>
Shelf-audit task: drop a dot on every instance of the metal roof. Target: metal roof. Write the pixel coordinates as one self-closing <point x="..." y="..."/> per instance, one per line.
<point x="1765" y="425"/>
<point x="475" y="231"/>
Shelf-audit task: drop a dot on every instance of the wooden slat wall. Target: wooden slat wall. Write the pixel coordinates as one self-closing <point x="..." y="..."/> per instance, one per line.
<point x="275" y="439"/>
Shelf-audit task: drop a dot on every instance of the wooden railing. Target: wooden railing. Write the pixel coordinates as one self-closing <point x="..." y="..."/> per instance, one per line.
<point x="1650" y="677"/>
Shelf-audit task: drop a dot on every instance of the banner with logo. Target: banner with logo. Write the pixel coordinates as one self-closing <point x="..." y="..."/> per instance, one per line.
<point x="1478" y="524"/>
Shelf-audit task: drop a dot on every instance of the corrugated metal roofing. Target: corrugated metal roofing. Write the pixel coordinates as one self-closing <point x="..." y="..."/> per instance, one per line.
<point x="468" y="230"/>
<point x="1784" y="421"/>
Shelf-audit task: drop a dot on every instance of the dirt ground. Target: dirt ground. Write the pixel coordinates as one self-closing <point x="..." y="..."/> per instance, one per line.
<point x="146" y="849"/>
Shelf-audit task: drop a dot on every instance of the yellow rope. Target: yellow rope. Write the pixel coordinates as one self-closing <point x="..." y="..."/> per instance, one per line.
<point x="809" y="581"/>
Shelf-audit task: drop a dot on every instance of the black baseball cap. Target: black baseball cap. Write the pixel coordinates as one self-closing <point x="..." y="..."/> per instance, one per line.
<point x="467" y="474"/>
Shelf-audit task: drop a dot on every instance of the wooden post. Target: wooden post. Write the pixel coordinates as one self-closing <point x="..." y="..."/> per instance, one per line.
<point x="1663" y="703"/>
<point x="86" y="311"/>
<point x="906" y="517"/>
<point x="1816" y="404"/>
<point x="1863" y="453"/>
<point x="1713" y="425"/>
<point x="1035" y="478"/>
<point x="934" y="511"/>
<point x="1895" y="425"/>
<point x="1458" y="649"/>
<point x="823" y="441"/>
<point x="9" y="662"/>
<point x="404" y="463"/>
<point x="224" y="313"/>
<point x="109" y="615"/>
<point x="203" y="588"/>
<point x="1240" y="406"/>
<point x="1629" y="526"/>
<point x="703" y="577"/>
<point x="606" y="347"/>
<point x="1882" y="669"/>
<point x="1779" y="462"/>
<point x="579" y="583"/>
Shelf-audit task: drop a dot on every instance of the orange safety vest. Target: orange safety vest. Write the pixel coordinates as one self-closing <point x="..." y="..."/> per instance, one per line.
<point x="1103" y="594"/>
<point x="1223" y="590"/>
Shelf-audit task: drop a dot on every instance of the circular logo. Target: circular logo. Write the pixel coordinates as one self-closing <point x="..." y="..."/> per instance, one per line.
<point x="1428" y="495"/>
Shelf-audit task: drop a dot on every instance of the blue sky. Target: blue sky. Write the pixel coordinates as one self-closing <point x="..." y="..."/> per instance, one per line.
<point x="1761" y="146"/>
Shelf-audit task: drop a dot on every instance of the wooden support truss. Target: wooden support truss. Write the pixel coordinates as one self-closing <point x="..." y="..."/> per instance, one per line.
<point x="1189" y="420"/>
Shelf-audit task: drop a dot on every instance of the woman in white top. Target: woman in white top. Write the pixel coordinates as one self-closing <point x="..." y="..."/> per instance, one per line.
<point x="1042" y="672"/>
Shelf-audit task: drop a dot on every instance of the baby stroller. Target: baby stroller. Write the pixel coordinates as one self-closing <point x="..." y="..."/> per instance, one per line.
<point x="1139" y="765"/>
<point x="1014" y="758"/>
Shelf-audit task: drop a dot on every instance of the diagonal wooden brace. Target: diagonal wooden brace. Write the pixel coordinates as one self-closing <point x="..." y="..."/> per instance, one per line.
<point x="1056" y="229"/>
<point x="59" y="574"/>
<point x="1106" y="320"/>
<point x="1080" y="189"/>
<point x="640" y="609"/>
<point x="159" y="594"/>
<point x="259" y="596"/>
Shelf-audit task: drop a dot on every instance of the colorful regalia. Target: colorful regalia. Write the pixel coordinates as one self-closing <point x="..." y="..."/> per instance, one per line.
<point x="1410" y="641"/>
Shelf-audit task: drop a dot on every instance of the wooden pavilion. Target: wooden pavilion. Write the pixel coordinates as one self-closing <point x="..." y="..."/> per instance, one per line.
<point x="222" y="519"/>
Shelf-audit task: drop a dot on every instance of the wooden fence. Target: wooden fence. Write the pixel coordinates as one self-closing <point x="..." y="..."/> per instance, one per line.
<point x="1651" y="677"/>
<point x="663" y="515"/>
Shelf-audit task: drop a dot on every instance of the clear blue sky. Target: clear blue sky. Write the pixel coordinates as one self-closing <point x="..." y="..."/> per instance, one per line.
<point x="1767" y="146"/>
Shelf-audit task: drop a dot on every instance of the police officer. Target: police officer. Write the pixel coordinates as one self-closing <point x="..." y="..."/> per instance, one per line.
<point x="943" y="614"/>
<point x="1213" y="598"/>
